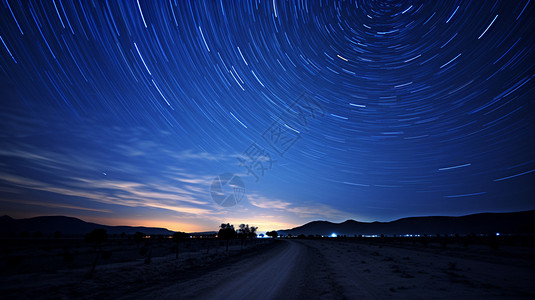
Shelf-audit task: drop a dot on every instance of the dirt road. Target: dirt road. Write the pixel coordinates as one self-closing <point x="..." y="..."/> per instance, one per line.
<point x="309" y="269"/>
<point x="268" y="279"/>
<point x="277" y="273"/>
<point x="300" y="269"/>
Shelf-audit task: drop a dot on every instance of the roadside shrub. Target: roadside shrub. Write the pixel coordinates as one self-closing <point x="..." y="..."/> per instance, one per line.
<point x="494" y="244"/>
<point x="143" y="251"/>
<point x="424" y="241"/>
<point x="68" y="257"/>
<point x="14" y="261"/>
<point x="106" y="254"/>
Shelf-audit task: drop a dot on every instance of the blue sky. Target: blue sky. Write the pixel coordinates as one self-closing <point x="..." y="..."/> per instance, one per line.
<point x="124" y="113"/>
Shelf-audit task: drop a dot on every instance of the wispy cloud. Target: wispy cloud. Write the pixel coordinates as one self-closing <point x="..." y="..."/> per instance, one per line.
<point x="56" y="205"/>
<point x="131" y="194"/>
<point x="310" y="210"/>
<point x="266" y="203"/>
<point x="189" y="155"/>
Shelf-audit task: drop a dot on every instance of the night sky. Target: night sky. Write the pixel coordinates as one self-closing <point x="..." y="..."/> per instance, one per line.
<point x="124" y="112"/>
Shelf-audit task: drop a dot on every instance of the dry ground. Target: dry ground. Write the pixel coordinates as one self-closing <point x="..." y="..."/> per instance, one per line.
<point x="298" y="269"/>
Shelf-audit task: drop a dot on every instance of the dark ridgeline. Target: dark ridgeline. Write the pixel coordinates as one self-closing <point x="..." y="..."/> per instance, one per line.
<point x="68" y="226"/>
<point x="483" y="223"/>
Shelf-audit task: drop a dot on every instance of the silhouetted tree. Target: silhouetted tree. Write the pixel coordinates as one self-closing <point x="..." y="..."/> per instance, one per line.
<point x="272" y="234"/>
<point x="246" y="232"/>
<point x="243" y="231"/>
<point x="138" y="237"/>
<point x="494" y="243"/>
<point x="148" y="246"/>
<point x="227" y="233"/>
<point x="252" y="232"/>
<point x="179" y="237"/>
<point x="96" y="237"/>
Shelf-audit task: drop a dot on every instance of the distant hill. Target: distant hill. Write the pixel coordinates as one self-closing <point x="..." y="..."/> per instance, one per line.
<point x="67" y="226"/>
<point x="515" y="222"/>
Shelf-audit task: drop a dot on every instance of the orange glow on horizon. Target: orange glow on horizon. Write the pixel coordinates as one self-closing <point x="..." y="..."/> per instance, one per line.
<point x="263" y="223"/>
<point x="170" y="225"/>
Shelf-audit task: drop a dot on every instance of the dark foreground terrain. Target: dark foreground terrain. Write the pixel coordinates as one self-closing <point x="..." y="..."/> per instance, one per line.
<point x="335" y="268"/>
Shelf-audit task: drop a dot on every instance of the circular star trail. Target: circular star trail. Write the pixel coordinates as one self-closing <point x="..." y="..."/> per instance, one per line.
<point x="427" y="106"/>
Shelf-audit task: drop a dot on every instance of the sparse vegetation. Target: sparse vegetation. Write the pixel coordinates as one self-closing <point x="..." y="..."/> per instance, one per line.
<point x="96" y="237"/>
<point x="138" y="238"/>
<point x="273" y="234"/>
<point x="179" y="237"/>
<point x="227" y="232"/>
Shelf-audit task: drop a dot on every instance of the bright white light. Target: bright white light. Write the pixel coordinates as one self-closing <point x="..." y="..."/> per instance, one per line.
<point x="497" y="233"/>
<point x="333" y="234"/>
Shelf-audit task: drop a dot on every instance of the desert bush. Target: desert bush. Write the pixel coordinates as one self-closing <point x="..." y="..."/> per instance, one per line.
<point x="138" y="238"/>
<point x="424" y="241"/>
<point x="68" y="257"/>
<point x="494" y="244"/>
<point x="98" y="237"/>
<point x="14" y="261"/>
<point x="148" y="257"/>
<point x="106" y="254"/>
<point x="179" y="237"/>
<point x="143" y="250"/>
<point x="465" y="242"/>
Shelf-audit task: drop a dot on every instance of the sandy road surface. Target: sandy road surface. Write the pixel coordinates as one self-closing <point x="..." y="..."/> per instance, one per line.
<point x="266" y="280"/>
<point x="277" y="273"/>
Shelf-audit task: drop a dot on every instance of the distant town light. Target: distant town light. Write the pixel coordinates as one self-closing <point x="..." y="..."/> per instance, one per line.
<point x="497" y="233"/>
<point x="333" y="234"/>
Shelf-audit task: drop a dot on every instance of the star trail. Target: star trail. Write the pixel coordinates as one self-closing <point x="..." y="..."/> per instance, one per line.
<point x="124" y="112"/>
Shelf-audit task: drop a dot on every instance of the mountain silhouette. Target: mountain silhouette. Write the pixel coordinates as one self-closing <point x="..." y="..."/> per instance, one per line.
<point x="482" y="223"/>
<point x="68" y="226"/>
